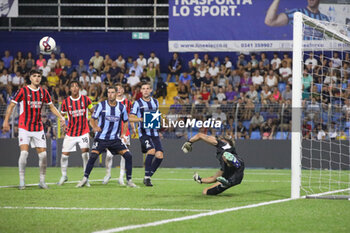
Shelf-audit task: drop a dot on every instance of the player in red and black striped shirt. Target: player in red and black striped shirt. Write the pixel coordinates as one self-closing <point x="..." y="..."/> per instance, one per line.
<point x="31" y="130"/>
<point x="109" y="157"/>
<point x="76" y="106"/>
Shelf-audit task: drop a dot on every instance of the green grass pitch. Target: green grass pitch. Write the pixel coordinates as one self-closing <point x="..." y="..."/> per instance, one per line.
<point x="173" y="189"/>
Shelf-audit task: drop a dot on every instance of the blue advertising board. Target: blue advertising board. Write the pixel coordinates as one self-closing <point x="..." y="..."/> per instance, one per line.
<point x="241" y="25"/>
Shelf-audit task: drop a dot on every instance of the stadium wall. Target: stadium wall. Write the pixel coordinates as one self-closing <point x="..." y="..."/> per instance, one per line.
<point x="81" y="45"/>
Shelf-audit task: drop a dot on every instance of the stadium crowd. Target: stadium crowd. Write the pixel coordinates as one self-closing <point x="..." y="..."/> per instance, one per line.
<point x="250" y="94"/>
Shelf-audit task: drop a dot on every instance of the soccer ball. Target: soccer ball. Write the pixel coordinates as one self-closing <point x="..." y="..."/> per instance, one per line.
<point x="47" y="44"/>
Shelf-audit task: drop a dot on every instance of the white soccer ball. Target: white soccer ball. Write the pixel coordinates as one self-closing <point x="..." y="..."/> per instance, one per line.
<point x="47" y="44"/>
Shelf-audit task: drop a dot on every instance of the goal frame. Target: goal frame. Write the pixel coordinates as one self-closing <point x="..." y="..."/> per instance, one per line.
<point x="296" y="139"/>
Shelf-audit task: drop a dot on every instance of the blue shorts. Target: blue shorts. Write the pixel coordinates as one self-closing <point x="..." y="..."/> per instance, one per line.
<point x="150" y="142"/>
<point x="114" y="146"/>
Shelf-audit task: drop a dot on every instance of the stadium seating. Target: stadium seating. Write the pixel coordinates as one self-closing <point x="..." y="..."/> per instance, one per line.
<point x="255" y="135"/>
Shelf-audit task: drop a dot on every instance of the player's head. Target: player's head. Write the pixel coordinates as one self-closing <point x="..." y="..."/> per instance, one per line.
<point x="35" y="77"/>
<point x="146" y="90"/>
<point x="313" y="3"/>
<point x="74" y="87"/>
<point x="111" y="93"/>
<point x="120" y="90"/>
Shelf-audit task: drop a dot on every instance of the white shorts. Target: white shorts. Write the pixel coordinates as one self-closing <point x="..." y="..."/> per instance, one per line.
<point x="35" y="139"/>
<point x="70" y="143"/>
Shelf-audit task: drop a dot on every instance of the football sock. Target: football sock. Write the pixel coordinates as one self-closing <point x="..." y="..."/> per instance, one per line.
<point x="128" y="165"/>
<point x="64" y="164"/>
<point x="90" y="164"/>
<point x="156" y="163"/>
<point x="22" y="162"/>
<point x="148" y="164"/>
<point x="108" y="163"/>
<point x="42" y="165"/>
<point x="122" y="167"/>
<point x="85" y="157"/>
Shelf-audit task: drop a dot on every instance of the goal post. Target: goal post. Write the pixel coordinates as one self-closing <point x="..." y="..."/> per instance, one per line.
<point x="320" y="166"/>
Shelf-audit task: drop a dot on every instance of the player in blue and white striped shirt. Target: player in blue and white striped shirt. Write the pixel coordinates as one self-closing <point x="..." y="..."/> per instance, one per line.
<point x="274" y="19"/>
<point x="106" y="123"/>
<point x="149" y="138"/>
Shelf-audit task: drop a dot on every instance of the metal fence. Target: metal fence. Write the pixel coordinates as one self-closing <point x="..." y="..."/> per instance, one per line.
<point x="104" y="15"/>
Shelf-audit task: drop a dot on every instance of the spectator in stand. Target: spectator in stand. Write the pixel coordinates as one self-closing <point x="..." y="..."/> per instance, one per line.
<point x="161" y="90"/>
<point x="129" y="64"/>
<point x="276" y="95"/>
<point x="265" y="61"/>
<point x="331" y="78"/>
<point x="52" y="80"/>
<point x="321" y="134"/>
<point x="241" y="62"/>
<point x="191" y="69"/>
<point x="252" y="94"/>
<point x="84" y="79"/>
<point x="287" y="93"/>
<point x="214" y="71"/>
<point x="307" y="83"/>
<point x="202" y="69"/>
<point x="267" y="129"/>
<point x="91" y="70"/>
<point x="20" y="68"/>
<point x="271" y="80"/>
<point x="246" y="81"/>
<point x="276" y="61"/>
<point x="133" y="80"/>
<point x="197" y="82"/>
<point x="70" y="69"/>
<point x="249" y="68"/>
<point x="121" y="62"/>
<point x="107" y="62"/>
<point x="64" y="78"/>
<point x="287" y="59"/>
<point x="52" y="61"/>
<point x="345" y="72"/>
<point x="17" y="81"/>
<point x="220" y="114"/>
<point x="5" y="83"/>
<point x="97" y="61"/>
<point x="155" y="61"/>
<point x="93" y="93"/>
<point x="221" y="95"/>
<point x="95" y="81"/>
<point x="19" y="59"/>
<point x="145" y="79"/>
<point x="208" y="81"/>
<point x="336" y="61"/>
<point x="221" y="81"/>
<point x="196" y="61"/>
<point x="40" y="61"/>
<point x="205" y="95"/>
<point x="151" y="72"/>
<point x="257" y="80"/>
<point x="63" y="60"/>
<point x="228" y="66"/>
<point x="8" y="61"/>
<point x="206" y="60"/>
<point x="285" y="72"/>
<point x="242" y="131"/>
<point x="248" y="109"/>
<point x="141" y="61"/>
<point x="234" y="79"/>
<point x="311" y="60"/>
<point x="185" y="79"/>
<point x="183" y="92"/>
<point x="174" y="67"/>
<point x="136" y="68"/>
<point x="114" y="70"/>
<point x="265" y="95"/>
<point x="81" y="67"/>
<point x="231" y="94"/>
<point x="286" y="121"/>
<point x="254" y="61"/>
<point x="217" y="61"/>
<point x="45" y="69"/>
<point x="30" y="62"/>
<point x="58" y="69"/>
<point x="255" y="123"/>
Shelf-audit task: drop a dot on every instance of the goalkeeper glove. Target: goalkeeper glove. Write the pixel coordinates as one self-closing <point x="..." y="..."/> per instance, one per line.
<point x="187" y="147"/>
<point x="223" y="181"/>
<point x="197" y="178"/>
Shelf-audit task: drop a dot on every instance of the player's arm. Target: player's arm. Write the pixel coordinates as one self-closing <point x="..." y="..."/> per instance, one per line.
<point x="207" y="180"/>
<point x="5" y="125"/>
<point x="94" y="118"/>
<point x="57" y="114"/>
<point x="187" y="146"/>
<point x="272" y="18"/>
<point x="133" y="114"/>
<point x="134" y="118"/>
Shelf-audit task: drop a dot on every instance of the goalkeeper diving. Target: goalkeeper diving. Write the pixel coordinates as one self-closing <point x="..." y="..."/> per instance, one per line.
<point x="232" y="166"/>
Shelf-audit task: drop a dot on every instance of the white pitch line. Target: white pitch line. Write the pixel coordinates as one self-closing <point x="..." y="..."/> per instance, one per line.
<point x="165" y="221"/>
<point x="94" y="209"/>
<point x="159" y="179"/>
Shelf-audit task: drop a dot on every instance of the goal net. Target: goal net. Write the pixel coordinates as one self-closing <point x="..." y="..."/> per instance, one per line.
<point x="321" y="109"/>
